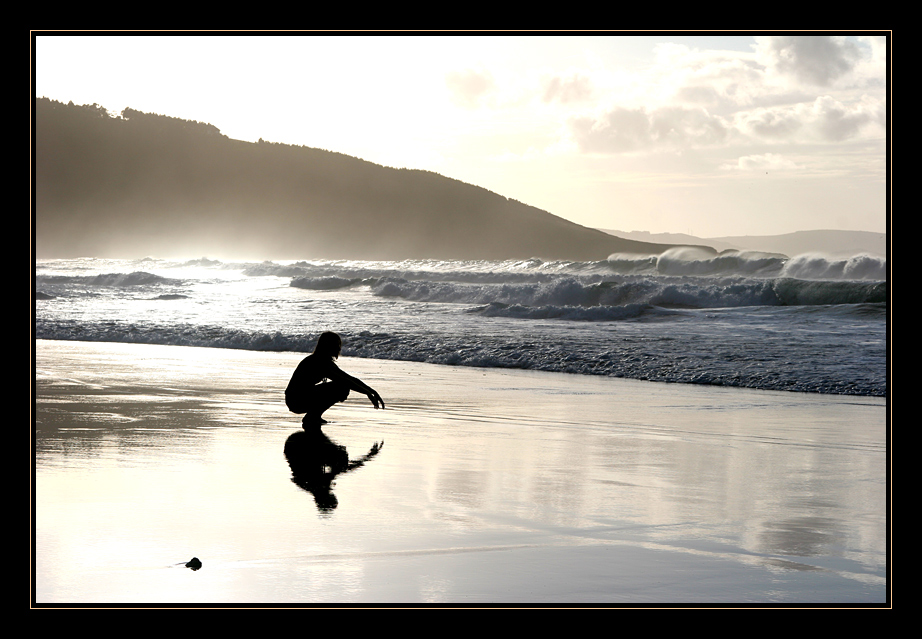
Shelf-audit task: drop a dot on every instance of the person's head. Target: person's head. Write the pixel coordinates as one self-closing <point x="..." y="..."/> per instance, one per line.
<point x="329" y="344"/>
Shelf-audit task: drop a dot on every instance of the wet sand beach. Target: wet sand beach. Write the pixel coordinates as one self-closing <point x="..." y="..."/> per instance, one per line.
<point x="492" y="486"/>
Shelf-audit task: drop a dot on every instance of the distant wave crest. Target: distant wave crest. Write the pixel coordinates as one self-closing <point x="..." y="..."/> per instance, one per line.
<point x="694" y="261"/>
<point x="561" y="297"/>
<point x="682" y="261"/>
<point x="858" y="267"/>
<point x="136" y="278"/>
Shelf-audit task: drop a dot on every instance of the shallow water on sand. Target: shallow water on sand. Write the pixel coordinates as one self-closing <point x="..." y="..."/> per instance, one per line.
<point x="492" y="486"/>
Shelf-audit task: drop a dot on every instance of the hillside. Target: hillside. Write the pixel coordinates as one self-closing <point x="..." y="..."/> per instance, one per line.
<point x="829" y="242"/>
<point x="142" y="184"/>
<point x="826" y="242"/>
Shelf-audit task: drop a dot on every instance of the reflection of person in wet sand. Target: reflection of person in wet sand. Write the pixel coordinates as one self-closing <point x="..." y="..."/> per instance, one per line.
<point x="318" y="383"/>
<point x="315" y="461"/>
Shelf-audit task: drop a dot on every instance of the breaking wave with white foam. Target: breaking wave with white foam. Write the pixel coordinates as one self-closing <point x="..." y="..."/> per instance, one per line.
<point x="810" y="323"/>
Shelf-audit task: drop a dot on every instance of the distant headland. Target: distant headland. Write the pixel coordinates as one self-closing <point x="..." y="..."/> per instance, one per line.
<point x="142" y="184"/>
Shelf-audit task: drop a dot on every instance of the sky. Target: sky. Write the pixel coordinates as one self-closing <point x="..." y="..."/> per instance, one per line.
<point x="667" y="133"/>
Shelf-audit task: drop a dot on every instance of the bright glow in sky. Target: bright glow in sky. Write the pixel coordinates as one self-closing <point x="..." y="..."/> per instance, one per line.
<point x="728" y="135"/>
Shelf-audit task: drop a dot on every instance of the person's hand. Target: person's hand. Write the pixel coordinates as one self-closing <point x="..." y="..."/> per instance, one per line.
<point x="376" y="399"/>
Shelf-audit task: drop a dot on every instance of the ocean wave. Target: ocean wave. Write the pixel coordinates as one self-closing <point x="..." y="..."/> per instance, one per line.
<point x="173" y="335"/>
<point x="573" y="313"/>
<point x="431" y="270"/>
<point x="793" y="292"/>
<point x="676" y="262"/>
<point x="715" y="362"/>
<point x="755" y="330"/>
<point x="566" y="291"/>
<point x="630" y="264"/>
<point x="666" y="292"/>
<point x="135" y="278"/>
<point x="268" y="269"/>
<point x="202" y="261"/>
<point x="328" y="283"/>
<point x="689" y="261"/>
<point x="858" y="267"/>
<point x="684" y="260"/>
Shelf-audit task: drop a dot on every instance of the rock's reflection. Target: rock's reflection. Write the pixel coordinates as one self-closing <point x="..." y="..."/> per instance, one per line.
<point x="316" y="460"/>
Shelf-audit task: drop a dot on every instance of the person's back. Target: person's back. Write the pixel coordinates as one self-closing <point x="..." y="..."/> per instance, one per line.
<point x="312" y="370"/>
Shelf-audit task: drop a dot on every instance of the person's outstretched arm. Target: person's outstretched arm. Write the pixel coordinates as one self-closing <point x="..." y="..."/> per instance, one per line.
<point x="358" y="386"/>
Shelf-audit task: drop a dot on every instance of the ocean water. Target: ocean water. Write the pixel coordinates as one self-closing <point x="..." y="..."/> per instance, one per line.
<point x="808" y="323"/>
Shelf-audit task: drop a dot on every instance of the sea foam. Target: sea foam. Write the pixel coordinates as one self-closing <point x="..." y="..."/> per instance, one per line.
<point x="736" y="319"/>
<point x="814" y="266"/>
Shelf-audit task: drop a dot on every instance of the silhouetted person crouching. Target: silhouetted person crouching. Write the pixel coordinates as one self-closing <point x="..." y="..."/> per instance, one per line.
<point x="318" y="383"/>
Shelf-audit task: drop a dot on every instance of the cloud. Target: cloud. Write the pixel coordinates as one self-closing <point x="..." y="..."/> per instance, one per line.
<point x="567" y="90"/>
<point x="705" y="78"/>
<point x="624" y="130"/>
<point x="469" y="87"/>
<point x="816" y="60"/>
<point x="763" y="162"/>
<point x="772" y="124"/>
<point x="836" y="121"/>
<point x="825" y="120"/>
